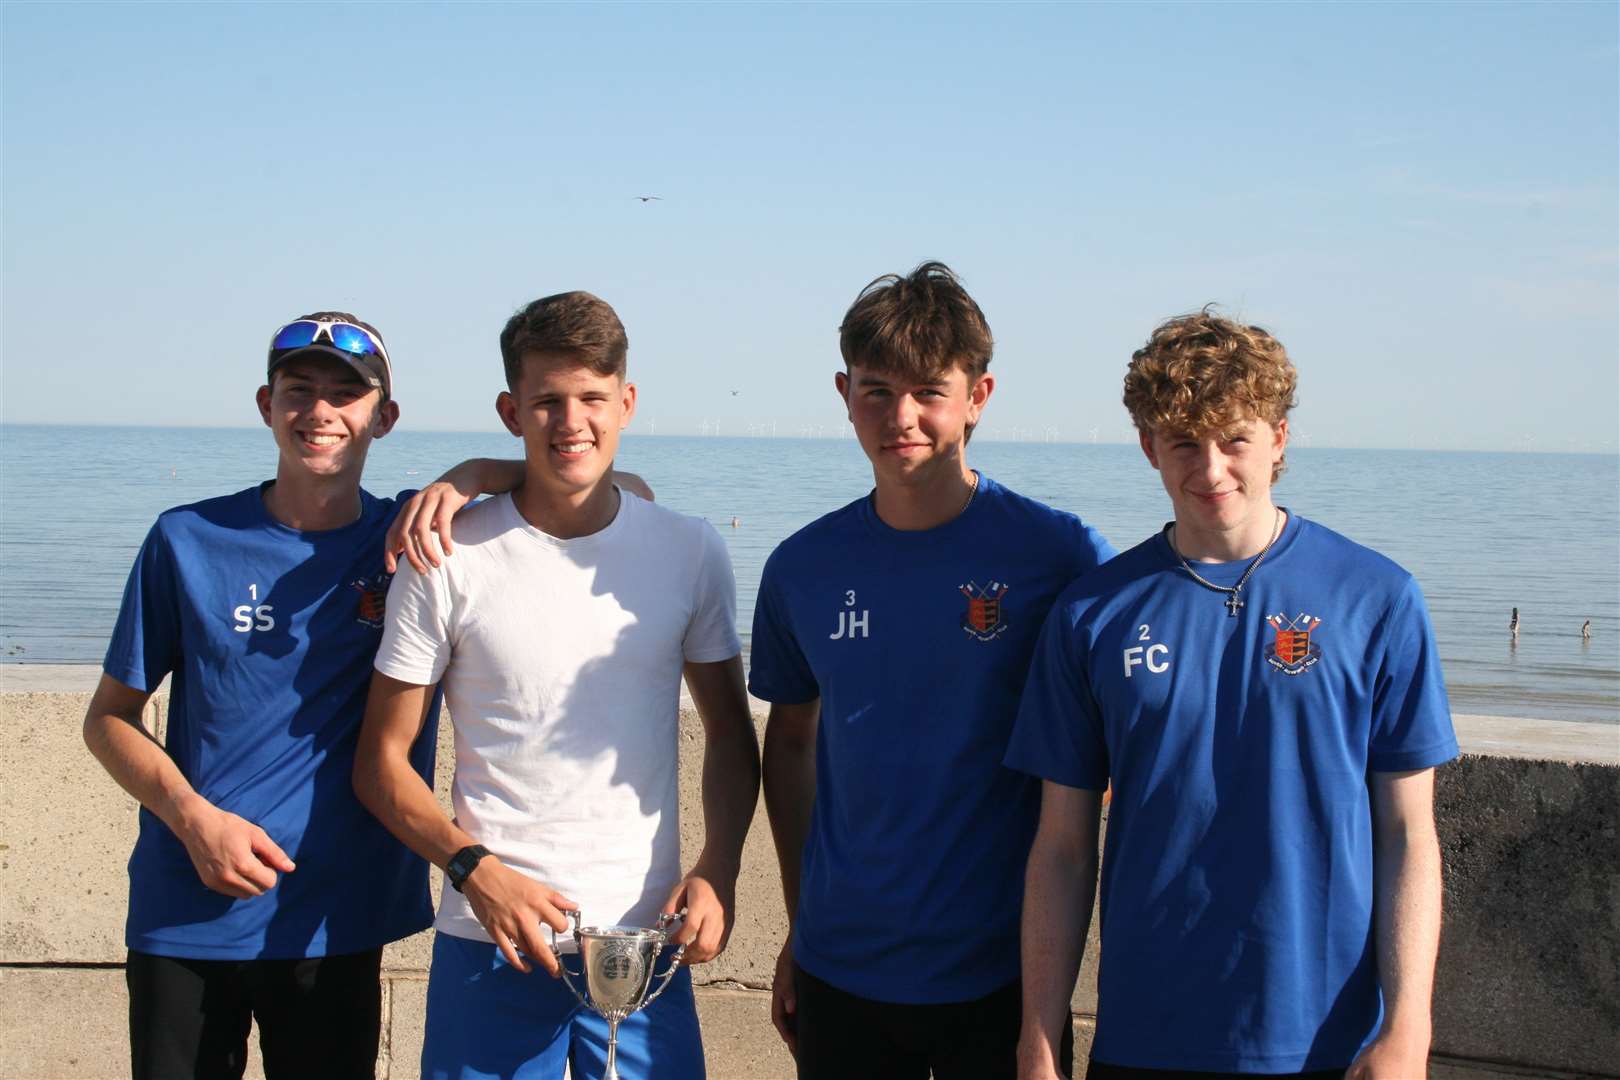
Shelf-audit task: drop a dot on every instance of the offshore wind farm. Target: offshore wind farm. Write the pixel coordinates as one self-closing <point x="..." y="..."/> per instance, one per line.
<point x="1483" y="532"/>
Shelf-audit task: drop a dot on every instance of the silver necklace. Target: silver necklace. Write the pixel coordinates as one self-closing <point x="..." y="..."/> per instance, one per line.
<point x="973" y="489"/>
<point x="1233" y="601"/>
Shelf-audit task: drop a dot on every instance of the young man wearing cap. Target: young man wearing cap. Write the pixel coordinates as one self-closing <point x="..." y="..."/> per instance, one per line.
<point x="266" y="608"/>
<point x="560" y="633"/>
<point x="892" y="638"/>
<point x="1265" y="697"/>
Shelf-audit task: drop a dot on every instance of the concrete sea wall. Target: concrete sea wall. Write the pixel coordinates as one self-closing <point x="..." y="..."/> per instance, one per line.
<point x="1527" y="981"/>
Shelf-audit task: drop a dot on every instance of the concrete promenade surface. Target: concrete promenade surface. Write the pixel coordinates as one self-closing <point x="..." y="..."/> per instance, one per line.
<point x="1527" y="981"/>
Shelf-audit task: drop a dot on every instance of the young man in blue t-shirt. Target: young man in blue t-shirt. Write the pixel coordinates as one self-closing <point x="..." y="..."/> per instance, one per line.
<point x="266" y="607"/>
<point x="1265" y="697"/>
<point x="892" y="638"/>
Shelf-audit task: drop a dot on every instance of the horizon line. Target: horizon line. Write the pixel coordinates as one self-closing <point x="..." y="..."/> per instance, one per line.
<point x="986" y="438"/>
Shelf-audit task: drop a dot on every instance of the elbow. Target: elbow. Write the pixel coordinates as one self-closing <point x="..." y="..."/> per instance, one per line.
<point x="779" y="763"/>
<point x="1077" y="866"/>
<point x="1416" y="835"/>
<point x="744" y="739"/>
<point x="96" y="733"/>
<point x="748" y="749"/>
<point x="749" y="769"/>
<point x="363" y="779"/>
<point x="1065" y="856"/>
<point x="785" y="748"/>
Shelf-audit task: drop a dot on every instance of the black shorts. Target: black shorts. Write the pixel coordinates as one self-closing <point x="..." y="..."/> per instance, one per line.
<point x="1097" y="1070"/>
<point x="319" y="1016"/>
<point x="846" y="1037"/>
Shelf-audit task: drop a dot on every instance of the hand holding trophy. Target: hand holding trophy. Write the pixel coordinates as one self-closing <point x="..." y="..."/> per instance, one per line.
<point x="617" y="966"/>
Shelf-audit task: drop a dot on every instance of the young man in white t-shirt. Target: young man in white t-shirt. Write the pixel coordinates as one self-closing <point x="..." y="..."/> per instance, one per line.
<point x="561" y="631"/>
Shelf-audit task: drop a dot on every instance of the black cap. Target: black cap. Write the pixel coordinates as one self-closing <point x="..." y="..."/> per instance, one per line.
<point x="371" y="363"/>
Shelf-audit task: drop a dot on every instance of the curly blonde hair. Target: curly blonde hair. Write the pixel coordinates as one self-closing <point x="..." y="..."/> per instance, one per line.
<point x="1200" y="373"/>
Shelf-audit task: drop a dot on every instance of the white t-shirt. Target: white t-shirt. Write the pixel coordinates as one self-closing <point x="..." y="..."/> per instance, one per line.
<point x="561" y="665"/>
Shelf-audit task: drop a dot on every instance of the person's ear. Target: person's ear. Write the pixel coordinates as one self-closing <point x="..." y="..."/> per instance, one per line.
<point x="387" y="417"/>
<point x="506" y="409"/>
<point x="1146" y="439"/>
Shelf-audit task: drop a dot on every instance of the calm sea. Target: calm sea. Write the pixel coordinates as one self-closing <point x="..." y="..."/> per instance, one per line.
<point x="1483" y="533"/>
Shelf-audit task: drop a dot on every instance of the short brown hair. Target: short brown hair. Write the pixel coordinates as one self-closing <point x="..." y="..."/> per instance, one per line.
<point x="574" y="324"/>
<point x="1201" y="373"/>
<point x="916" y="326"/>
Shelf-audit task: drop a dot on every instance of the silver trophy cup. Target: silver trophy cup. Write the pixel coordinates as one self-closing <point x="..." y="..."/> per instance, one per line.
<point x="617" y="964"/>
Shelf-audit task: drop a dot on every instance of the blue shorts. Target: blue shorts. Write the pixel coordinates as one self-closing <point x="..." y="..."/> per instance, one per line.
<point x="487" y="1019"/>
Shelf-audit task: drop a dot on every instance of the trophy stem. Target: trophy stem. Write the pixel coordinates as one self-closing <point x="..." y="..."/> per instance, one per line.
<point x="612" y="1072"/>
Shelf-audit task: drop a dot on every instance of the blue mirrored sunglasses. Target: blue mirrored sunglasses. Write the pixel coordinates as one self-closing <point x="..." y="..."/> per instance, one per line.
<point x="346" y="336"/>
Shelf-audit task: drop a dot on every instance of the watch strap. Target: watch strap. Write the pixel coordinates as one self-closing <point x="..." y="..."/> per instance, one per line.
<point x="462" y="864"/>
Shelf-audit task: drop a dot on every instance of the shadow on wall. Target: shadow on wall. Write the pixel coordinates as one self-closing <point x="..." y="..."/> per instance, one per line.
<point x="1524" y="969"/>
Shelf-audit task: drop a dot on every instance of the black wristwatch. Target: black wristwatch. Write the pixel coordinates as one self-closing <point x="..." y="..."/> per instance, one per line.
<point x="462" y="863"/>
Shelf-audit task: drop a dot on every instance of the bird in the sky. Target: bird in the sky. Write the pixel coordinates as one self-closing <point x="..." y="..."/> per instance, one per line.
<point x="650" y="198"/>
<point x="734" y="393"/>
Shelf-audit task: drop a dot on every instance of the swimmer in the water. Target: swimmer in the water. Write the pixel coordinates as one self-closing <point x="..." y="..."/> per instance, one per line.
<point x="1513" y="623"/>
<point x="1586" y="630"/>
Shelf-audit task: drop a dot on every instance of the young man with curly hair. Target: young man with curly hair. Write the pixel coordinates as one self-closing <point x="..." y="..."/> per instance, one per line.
<point x="892" y="638"/>
<point x="1265" y="698"/>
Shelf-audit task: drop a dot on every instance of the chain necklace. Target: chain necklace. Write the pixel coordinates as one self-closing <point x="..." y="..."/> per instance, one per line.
<point x="973" y="489"/>
<point x="1233" y="601"/>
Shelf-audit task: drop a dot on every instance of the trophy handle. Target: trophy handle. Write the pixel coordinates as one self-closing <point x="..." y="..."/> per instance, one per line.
<point x="674" y="966"/>
<point x="562" y="967"/>
<point x="665" y="921"/>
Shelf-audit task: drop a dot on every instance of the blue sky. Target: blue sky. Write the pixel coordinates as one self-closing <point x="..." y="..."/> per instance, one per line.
<point x="1420" y="200"/>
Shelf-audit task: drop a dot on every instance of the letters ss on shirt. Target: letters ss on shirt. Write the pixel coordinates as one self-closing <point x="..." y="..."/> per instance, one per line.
<point x="251" y="617"/>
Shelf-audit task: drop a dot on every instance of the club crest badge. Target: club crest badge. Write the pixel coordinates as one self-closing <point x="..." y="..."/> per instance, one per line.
<point x="373" y="602"/>
<point x="983" y="619"/>
<point x="1292" y="651"/>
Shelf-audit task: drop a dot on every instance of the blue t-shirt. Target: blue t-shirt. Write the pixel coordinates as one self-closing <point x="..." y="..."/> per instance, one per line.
<point x="917" y="644"/>
<point x="269" y="633"/>
<point x="1237" y="877"/>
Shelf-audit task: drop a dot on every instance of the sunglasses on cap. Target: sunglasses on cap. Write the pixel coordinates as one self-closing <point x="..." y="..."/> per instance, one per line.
<point x="343" y="335"/>
<point x="362" y="348"/>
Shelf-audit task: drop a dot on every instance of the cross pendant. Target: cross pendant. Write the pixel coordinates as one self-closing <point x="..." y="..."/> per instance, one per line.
<point x="1232" y="605"/>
